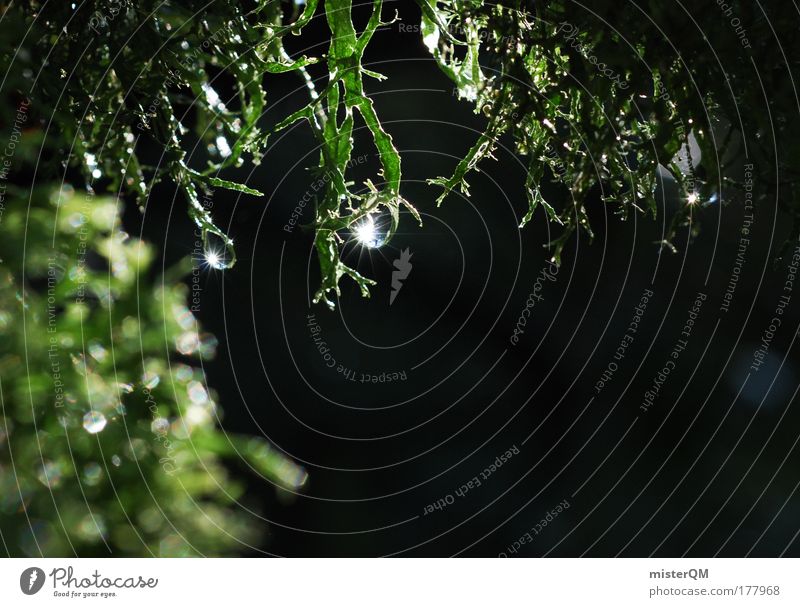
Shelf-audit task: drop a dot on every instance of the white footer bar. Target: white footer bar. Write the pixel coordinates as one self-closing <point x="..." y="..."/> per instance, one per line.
<point x="400" y="582"/>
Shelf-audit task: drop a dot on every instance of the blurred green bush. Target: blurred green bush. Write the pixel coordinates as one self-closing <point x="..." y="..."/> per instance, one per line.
<point x="110" y="441"/>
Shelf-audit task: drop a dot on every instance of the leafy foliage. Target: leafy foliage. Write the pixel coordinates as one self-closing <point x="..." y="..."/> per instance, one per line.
<point x="585" y="94"/>
<point x="589" y="94"/>
<point x="122" y="74"/>
<point x="109" y="438"/>
<point x="583" y="91"/>
<point x="146" y="57"/>
<point x="339" y="207"/>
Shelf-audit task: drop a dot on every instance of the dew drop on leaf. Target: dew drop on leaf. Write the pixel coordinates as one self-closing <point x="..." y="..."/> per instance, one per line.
<point x="94" y="422"/>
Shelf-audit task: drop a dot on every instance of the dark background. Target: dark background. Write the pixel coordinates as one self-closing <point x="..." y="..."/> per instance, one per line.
<point x="710" y="469"/>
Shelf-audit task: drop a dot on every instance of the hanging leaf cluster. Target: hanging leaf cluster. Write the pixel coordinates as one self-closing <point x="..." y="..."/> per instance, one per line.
<point x="598" y="97"/>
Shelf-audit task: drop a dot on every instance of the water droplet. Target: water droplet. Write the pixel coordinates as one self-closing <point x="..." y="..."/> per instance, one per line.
<point x="197" y="415"/>
<point x="212" y="98"/>
<point x="222" y="147"/>
<point x="185" y="318"/>
<point x="218" y="251"/>
<point x="91" y="160"/>
<point x="115" y="459"/>
<point x="77" y="274"/>
<point x="208" y="345"/>
<point x="468" y="92"/>
<point x="150" y="380"/>
<point x="197" y="393"/>
<point x="183" y="373"/>
<point x="125" y="388"/>
<point x="94" y="422"/>
<point x="76" y="220"/>
<point x="79" y="362"/>
<point x="369" y="233"/>
<point x="160" y="425"/>
<point x="120" y="269"/>
<point x="187" y="343"/>
<point x="291" y="474"/>
<point x="213" y="260"/>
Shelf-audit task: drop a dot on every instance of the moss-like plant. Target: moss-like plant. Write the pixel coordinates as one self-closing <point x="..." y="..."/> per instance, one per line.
<point x="595" y="96"/>
<point x="598" y="96"/>
<point x="100" y="406"/>
<point x="109" y="436"/>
